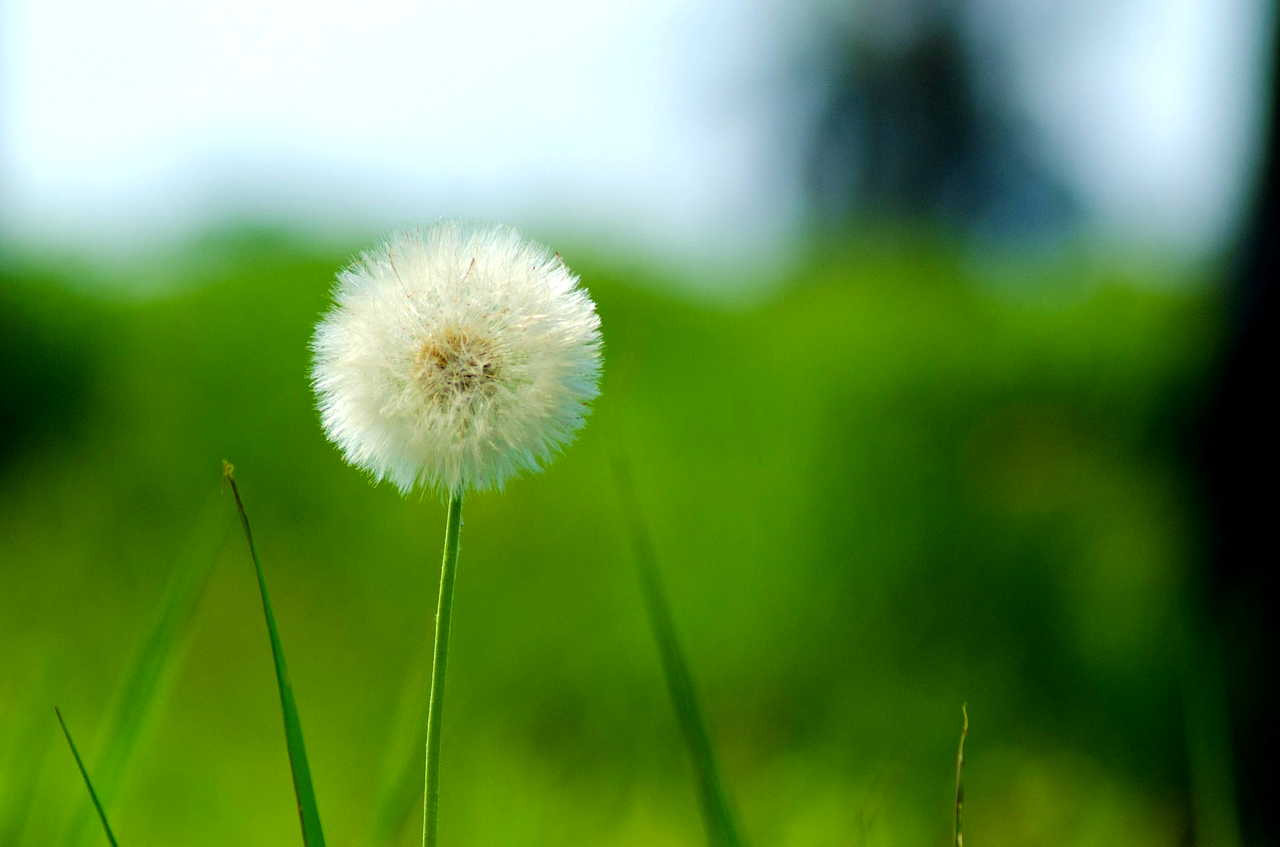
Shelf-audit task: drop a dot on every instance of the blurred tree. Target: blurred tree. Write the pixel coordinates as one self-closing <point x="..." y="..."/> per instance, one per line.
<point x="1234" y="445"/>
<point x="907" y="131"/>
<point x="45" y="341"/>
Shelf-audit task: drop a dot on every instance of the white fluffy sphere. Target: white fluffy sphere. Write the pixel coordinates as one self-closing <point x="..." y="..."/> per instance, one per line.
<point x="455" y="357"/>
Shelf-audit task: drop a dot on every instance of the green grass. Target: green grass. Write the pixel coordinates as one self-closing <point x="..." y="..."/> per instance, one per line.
<point x="140" y="691"/>
<point x="712" y="797"/>
<point x="829" y="473"/>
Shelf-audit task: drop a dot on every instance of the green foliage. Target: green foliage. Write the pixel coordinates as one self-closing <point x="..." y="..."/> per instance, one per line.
<point x="885" y="489"/>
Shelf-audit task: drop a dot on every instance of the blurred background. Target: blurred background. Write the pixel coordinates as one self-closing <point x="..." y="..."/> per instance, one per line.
<point x="935" y="335"/>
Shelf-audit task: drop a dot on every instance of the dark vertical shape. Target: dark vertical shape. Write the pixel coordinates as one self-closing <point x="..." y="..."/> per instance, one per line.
<point x="1235" y="448"/>
<point x="911" y="130"/>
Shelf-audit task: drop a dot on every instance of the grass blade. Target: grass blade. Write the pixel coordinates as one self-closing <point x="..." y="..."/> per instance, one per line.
<point x="312" y="836"/>
<point x="402" y="782"/>
<point x="23" y="746"/>
<point x="716" y="816"/>
<point x="400" y="798"/>
<point x="138" y="694"/>
<point x="959" y="830"/>
<point x="93" y="795"/>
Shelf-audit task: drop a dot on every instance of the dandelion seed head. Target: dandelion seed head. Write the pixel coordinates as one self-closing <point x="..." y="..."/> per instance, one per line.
<point x="455" y="357"/>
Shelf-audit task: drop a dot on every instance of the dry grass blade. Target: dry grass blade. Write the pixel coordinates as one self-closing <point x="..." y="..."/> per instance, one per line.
<point x="959" y="830"/>
<point x="93" y="795"/>
<point x="308" y="812"/>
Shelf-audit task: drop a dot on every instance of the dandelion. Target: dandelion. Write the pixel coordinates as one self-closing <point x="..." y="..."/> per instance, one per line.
<point x="455" y="358"/>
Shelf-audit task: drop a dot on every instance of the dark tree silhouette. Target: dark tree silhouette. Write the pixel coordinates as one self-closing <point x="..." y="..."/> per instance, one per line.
<point x="903" y="133"/>
<point x="1235" y="447"/>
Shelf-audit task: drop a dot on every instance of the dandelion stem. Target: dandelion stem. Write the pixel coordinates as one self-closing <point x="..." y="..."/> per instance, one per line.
<point x="448" y="571"/>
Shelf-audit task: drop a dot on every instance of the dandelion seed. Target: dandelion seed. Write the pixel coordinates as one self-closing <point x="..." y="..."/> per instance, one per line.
<point x="455" y="357"/>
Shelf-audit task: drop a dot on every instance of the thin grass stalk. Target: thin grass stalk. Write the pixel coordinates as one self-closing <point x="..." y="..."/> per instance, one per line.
<point x="93" y="795"/>
<point x="308" y="812"/>
<point x="444" y="614"/>
<point x="712" y="798"/>
<point x="959" y="829"/>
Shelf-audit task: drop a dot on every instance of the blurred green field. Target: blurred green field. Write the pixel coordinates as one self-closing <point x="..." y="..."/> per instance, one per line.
<point x="885" y="490"/>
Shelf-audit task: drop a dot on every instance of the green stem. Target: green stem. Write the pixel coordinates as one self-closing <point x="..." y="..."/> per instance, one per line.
<point x="431" y="814"/>
<point x="959" y="830"/>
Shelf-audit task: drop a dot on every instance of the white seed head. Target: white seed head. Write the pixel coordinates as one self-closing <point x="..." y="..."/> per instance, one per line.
<point x="455" y="357"/>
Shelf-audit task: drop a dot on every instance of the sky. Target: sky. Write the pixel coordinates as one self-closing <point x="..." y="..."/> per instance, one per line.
<point x="657" y="125"/>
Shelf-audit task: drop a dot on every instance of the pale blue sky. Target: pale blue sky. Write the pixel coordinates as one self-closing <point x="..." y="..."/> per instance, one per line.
<point x="650" y="123"/>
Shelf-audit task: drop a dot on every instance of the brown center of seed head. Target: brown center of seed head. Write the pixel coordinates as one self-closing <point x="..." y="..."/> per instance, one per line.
<point x="455" y="362"/>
